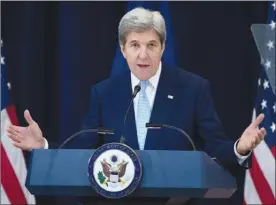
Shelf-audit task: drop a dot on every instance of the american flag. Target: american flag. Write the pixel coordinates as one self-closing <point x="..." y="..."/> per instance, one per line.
<point x="13" y="167"/>
<point x="260" y="179"/>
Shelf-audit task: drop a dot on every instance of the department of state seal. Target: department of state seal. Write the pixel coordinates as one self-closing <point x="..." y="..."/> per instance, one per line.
<point x="114" y="170"/>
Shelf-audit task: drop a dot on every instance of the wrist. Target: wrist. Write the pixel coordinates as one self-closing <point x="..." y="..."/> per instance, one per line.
<point x="240" y="150"/>
<point x="243" y="153"/>
<point x="41" y="142"/>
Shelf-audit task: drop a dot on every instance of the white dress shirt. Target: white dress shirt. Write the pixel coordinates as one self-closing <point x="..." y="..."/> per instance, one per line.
<point x="151" y="92"/>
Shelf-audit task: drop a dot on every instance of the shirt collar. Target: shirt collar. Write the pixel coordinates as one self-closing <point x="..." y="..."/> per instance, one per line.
<point x="153" y="80"/>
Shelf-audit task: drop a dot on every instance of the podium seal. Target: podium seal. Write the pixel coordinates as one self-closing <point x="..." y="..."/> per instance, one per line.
<point x="114" y="170"/>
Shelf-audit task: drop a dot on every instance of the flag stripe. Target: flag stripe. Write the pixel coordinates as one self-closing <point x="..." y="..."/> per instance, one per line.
<point x="267" y="164"/>
<point x="4" y="197"/>
<point x="264" y="191"/>
<point x="9" y="180"/>
<point x="14" y="155"/>
<point x="12" y="114"/>
<point x="250" y="192"/>
<point x="273" y="151"/>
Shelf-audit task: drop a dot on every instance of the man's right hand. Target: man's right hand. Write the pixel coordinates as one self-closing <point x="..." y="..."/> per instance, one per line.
<point x="26" y="138"/>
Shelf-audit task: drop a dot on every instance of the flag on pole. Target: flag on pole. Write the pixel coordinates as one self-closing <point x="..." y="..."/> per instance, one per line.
<point x="259" y="185"/>
<point x="13" y="167"/>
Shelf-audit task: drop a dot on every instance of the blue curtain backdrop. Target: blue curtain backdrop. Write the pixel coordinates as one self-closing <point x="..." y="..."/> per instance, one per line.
<point x="55" y="52"/>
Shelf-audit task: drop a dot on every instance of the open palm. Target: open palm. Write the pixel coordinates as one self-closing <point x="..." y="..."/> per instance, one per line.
<point x="26" y="138"/>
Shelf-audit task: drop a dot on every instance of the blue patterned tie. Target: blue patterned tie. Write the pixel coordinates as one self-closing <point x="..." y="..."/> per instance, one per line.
<point x="143" y="114"/>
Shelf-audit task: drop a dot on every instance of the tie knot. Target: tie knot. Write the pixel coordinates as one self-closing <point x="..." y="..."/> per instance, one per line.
<point x="144" y="84"/>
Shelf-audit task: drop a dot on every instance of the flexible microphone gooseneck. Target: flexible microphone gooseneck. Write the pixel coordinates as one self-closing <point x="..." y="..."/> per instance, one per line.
<point x="75" y="135"/>
<point x="160" y="126"/>
<point x="137" y="88"/>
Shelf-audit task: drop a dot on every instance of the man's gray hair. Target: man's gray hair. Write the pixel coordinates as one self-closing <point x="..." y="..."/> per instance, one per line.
<point x="140" y="19"/>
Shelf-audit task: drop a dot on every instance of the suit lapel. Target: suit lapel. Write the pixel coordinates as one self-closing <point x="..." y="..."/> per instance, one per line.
<point x="164" y="102"/>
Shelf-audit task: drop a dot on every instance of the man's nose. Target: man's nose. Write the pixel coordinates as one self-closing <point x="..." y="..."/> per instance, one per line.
<point x="143" y="54"/>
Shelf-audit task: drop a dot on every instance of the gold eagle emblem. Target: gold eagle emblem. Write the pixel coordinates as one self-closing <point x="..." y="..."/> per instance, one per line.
<point x="115" y="170"/>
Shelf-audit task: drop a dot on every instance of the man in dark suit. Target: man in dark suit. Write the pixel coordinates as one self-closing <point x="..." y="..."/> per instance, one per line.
<point x="168" y="96"/>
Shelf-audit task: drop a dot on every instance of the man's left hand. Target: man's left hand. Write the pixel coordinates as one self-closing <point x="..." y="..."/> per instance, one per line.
<point x="251" y="137"/>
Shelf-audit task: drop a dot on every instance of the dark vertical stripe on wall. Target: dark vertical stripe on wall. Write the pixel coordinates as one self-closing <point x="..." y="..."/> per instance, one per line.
<point x="65" y="54"/>
<point x="169" y="56"/>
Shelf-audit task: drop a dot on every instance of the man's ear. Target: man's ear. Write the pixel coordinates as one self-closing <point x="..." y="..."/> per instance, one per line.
<point x="163" y="48"/>
<point x="123" y="50"/>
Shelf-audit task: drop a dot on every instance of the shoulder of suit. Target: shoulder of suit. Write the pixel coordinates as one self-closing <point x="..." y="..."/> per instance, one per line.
<point x="113" y="81"/>
<point x="184" y="76"/>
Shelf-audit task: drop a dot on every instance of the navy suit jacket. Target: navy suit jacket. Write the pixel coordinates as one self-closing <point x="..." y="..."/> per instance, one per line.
<point x="191" y="109"/>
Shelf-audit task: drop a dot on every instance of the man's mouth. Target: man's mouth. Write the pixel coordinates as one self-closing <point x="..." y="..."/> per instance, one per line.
<point x="143" y="65"/>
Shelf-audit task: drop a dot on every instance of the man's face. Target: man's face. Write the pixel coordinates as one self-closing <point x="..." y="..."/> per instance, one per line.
<point x="143" y="52"/>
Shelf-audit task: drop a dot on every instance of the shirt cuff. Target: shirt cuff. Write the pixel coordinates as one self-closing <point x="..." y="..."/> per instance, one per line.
<point x="46" y="146"/>
<point x="241" y="158"/>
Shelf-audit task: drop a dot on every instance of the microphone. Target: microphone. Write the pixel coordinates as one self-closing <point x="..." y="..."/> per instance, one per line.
<point x="137" y="88"/>
<point x="160" y="126"/>
<point x="99" y="131"/>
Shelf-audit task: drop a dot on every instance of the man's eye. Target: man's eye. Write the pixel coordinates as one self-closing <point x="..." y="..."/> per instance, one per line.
<point x="135" y="45"/>
<point x="151" y="45"/>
